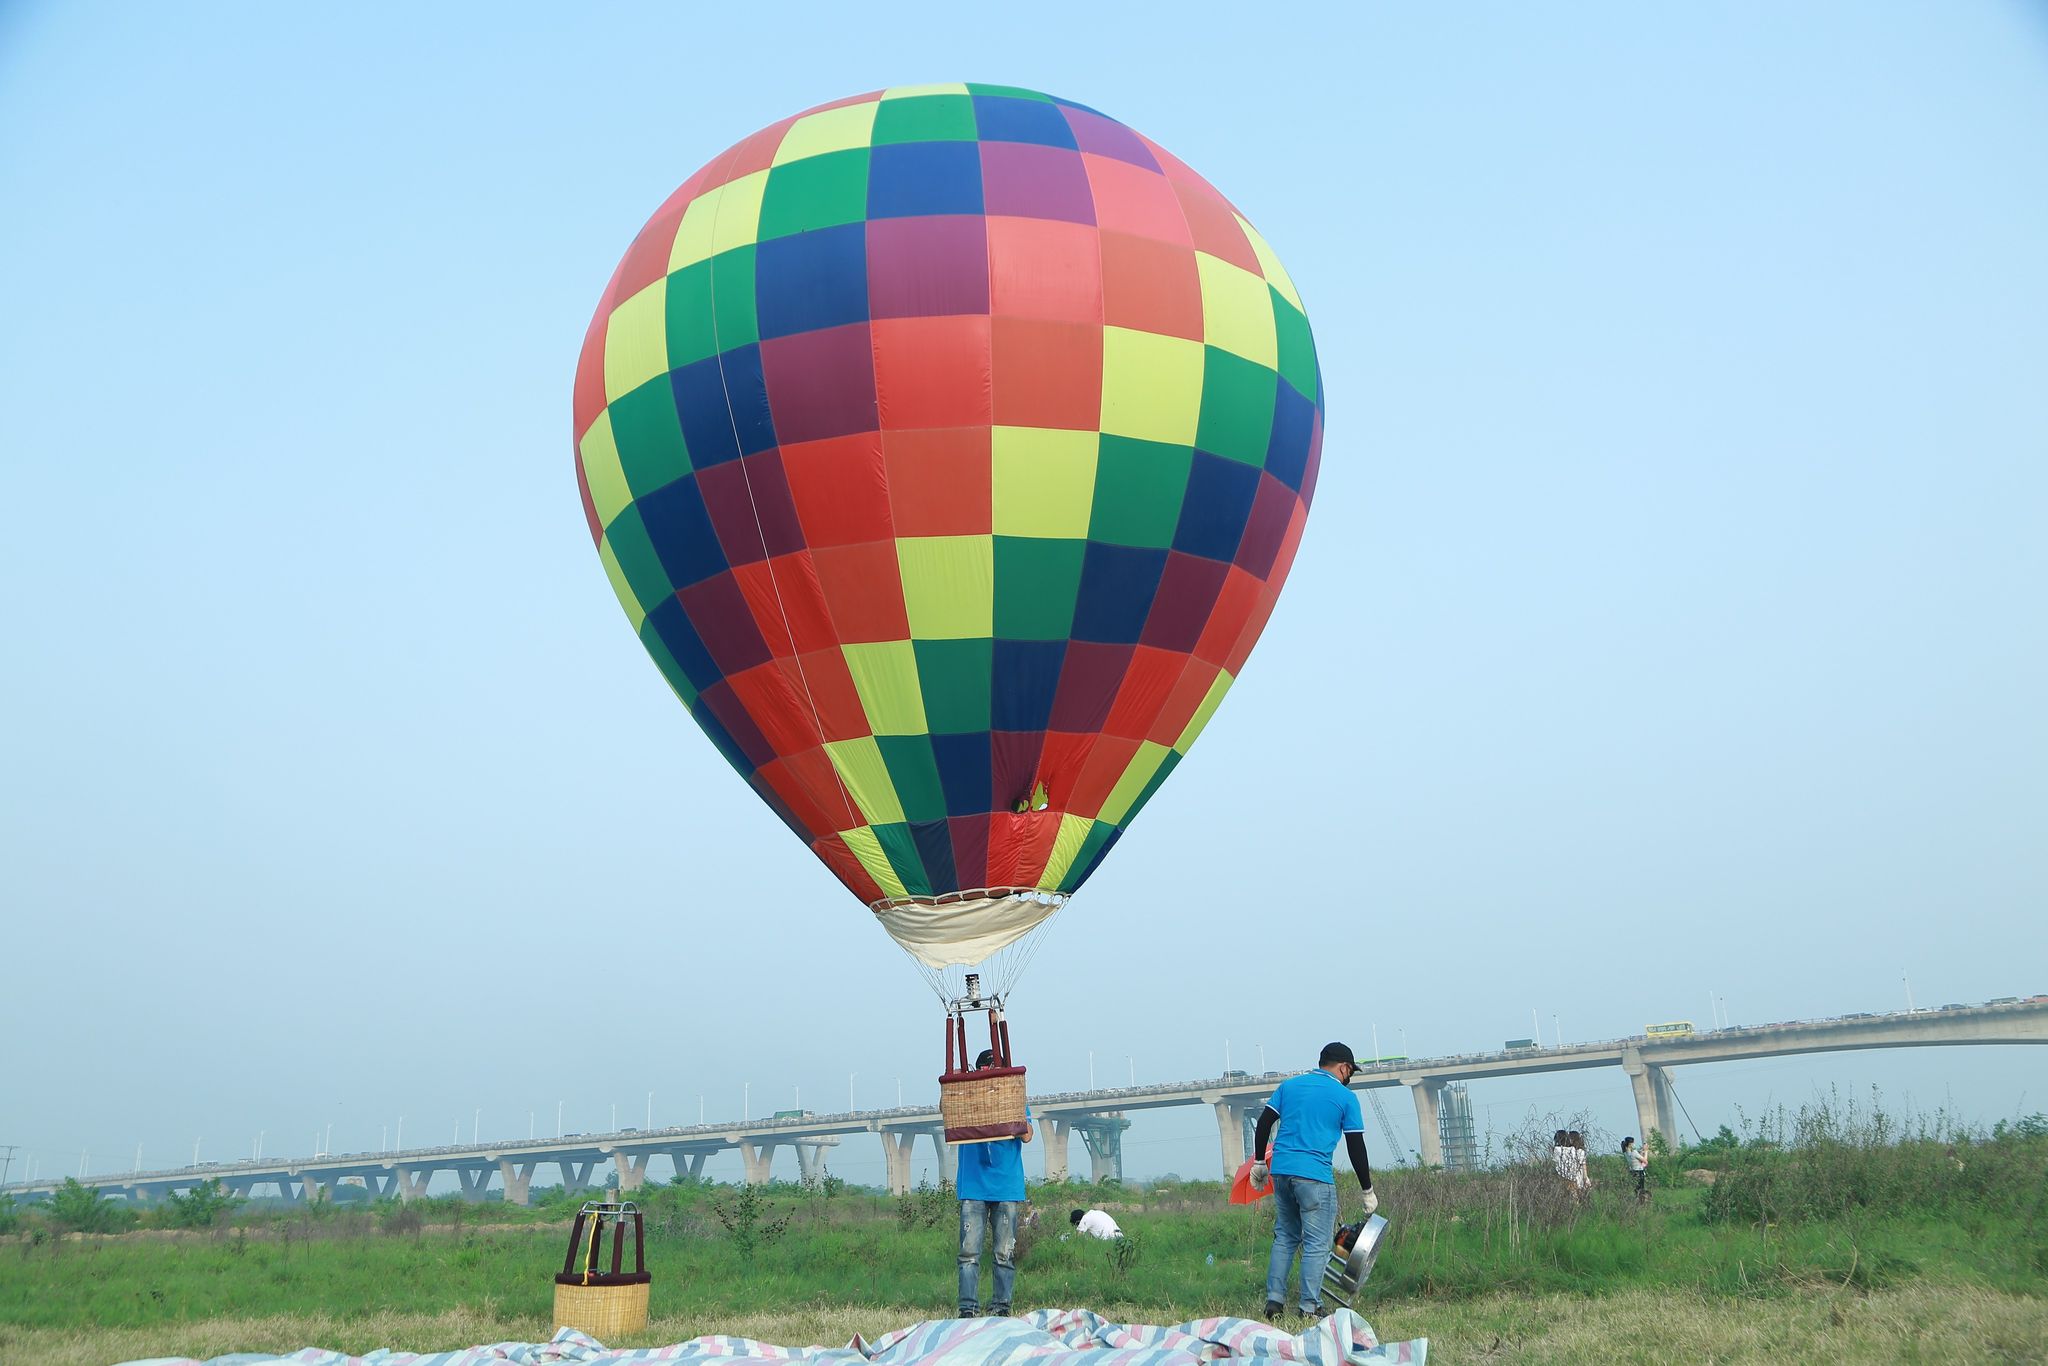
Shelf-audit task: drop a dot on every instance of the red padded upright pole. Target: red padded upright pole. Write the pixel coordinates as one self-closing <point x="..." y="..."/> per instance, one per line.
<point x="949" y="1045"/>
<point x="1009" y="1059"/>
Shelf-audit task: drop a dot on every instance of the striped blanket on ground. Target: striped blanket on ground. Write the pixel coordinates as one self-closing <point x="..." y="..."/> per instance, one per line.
<point x="1043" y="1337"/>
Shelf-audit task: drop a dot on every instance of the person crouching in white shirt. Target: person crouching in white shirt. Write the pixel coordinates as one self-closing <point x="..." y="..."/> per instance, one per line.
<point x="1095" y="1223"/>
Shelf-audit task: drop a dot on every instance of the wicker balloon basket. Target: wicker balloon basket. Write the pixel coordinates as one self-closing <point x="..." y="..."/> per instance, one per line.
<point x="984" y="1106"/>
<point x="605" y="1303"/>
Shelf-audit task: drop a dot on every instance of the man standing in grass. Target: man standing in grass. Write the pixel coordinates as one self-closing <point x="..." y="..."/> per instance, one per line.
<point x="991" y="1185"/>
<point x="1311" y="1111"/>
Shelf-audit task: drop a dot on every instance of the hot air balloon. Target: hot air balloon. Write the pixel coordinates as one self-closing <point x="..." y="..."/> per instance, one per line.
<point x="947" y="446"/>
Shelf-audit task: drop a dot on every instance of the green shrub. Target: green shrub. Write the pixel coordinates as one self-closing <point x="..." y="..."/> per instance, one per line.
<point x="82" y="1209"/>
<point x="204" y="1206"/>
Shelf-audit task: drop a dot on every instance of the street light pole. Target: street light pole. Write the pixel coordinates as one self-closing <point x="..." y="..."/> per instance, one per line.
<point x="558" y="1117"/>
<point x="650" y="1109"/>
<point x="399" y="1146"/>
<point x="476" y="1124"/>
<point x="1133" y="1067"/>
<point x="850" y="1106"/>
<point x="1907" y="978"/>
<point x="1091" y="1069"/>
<point x="195" y="1152"/>
<point x="746" y="1101"/>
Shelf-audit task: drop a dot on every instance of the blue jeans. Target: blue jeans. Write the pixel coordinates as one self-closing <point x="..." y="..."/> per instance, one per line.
<point x="1304" y="1218"/>
<point x="975" y="1218"/>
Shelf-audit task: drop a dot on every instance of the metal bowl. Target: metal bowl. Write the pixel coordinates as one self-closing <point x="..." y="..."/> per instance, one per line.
<point x="1344" y="1278"/>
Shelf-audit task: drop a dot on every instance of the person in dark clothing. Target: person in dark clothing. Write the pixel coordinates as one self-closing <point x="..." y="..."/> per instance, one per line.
<point x="1310" y="1112"/>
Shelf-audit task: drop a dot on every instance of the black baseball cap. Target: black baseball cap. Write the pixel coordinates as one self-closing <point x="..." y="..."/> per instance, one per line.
<point x="987" y="1059"/>
<point x="1336" y="1052"/>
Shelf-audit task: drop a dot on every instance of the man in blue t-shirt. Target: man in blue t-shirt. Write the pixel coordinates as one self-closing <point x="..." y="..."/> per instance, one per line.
<point x="991" y="1186"/>
<point x="1311" y="1110"/>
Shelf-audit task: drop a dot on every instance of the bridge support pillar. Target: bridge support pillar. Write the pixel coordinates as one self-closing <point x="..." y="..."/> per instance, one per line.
<point x="518" y="1179"/>
<point x="632" y="1169"/>
<point x="575" y="1175"/>
<point x="315" y="1188"/>
<point x="475" y="1180"/>
<point x="756" y="1159"/>
<point x="1057" y="1132"/>
<point x="1230" y="1130"/>
<point x="412" y="1183"/>
<point x="948" y="1155"/>
<point x="1429" y="1095"/>
<point x="1653" y="1098"/>
<point x="690" y="1164"/>
<point x="1103" y="1136"/>
<point x="810" y="1162"/>
<point x="896" y="1146"/>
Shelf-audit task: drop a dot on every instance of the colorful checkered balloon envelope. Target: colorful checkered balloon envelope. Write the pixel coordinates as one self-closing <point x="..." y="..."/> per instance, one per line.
<point x="947" y="447"/>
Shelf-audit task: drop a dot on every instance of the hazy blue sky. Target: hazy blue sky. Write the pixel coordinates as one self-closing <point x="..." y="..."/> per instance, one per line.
<point x="1669" y="622"/>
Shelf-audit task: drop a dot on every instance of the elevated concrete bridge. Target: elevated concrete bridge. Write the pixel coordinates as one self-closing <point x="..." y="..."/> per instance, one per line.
<point x="1099" y="1116"/>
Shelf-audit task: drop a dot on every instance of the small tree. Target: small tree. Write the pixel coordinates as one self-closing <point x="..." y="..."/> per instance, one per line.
<point x="82" y="1209"/>
<point x="745" y="1216"/>
<point x="204" y="1206"/>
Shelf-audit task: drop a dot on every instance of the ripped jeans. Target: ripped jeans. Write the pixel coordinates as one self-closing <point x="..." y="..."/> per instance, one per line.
<point x="976" y="1216"/>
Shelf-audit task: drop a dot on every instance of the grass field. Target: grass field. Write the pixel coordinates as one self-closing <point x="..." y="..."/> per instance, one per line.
<point x="1914" y="1250"/>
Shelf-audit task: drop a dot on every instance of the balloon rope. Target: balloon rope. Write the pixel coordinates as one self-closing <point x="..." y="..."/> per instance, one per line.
<point x="774" y="582"/>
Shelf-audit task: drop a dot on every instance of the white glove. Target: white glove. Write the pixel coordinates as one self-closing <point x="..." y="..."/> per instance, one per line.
<point x="1259" y="1173"/>
<point x="1372" y="1201"/>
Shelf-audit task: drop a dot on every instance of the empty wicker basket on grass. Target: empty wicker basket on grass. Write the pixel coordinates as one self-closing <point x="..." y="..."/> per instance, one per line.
<point x="605" y="1303"/>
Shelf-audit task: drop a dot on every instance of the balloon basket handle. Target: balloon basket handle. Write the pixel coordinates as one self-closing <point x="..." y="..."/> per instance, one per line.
<point x="980" y="1104"/>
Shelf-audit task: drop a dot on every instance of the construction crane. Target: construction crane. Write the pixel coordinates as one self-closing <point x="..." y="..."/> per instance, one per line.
<point x="1379" y="1112"/>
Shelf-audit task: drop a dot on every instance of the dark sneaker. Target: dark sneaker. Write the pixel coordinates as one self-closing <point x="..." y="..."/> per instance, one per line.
<point x="997" y="1311"/>
<point x="1272" y="1311"/>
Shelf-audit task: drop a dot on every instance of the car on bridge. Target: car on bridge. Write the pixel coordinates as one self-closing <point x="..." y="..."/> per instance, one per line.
<point x="1513" y="1045"/>
<point x="2003" y="1001"/>
<point x="1676" y="1029"/>
<point x="1955" y="1005"/>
